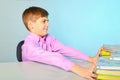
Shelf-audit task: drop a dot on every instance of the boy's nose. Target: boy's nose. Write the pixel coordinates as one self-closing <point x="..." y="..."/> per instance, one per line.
<point x="47" y="24"/>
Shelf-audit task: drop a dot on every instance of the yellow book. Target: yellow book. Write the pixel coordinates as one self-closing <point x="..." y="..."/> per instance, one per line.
<point x="107" y="77"/>
<point x="105" y="53"/>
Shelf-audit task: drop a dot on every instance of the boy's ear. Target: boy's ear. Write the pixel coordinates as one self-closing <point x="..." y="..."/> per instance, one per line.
<point x="30" y="25"/>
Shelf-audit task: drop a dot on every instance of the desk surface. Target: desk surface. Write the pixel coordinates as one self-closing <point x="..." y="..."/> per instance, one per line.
<point x="34" y="71"/>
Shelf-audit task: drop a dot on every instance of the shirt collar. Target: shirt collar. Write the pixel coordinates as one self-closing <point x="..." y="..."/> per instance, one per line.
<point x="38" y="38"/>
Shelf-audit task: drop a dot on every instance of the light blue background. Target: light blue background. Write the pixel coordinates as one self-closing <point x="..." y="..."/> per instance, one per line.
<point x="83" y="24"/>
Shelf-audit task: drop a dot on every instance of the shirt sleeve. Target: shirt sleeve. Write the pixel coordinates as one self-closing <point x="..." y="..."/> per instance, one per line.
<point x="68" y="51"/>
<point x="34" y="53"/>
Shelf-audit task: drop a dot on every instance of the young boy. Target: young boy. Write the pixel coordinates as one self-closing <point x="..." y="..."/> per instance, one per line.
<point x="44" y="48"/>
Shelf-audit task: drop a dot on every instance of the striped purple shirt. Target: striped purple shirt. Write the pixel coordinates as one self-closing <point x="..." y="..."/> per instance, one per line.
<point x="50" y="51"/>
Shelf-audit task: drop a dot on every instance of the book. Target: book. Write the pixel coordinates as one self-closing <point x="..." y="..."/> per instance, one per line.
<point x="107" y="77"/>
<point x="114" y="58"/>
<point x="108" y="72"/>
<point x="108" y="67"/>
<point x="112" y="48"/>
<point x="108" y="64"/>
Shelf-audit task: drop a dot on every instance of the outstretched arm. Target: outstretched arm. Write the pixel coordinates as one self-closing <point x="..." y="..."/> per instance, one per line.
<point x="68" y="51"/>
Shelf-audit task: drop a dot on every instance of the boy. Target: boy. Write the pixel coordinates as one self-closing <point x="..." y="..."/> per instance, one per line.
<point x="44" y="48"/>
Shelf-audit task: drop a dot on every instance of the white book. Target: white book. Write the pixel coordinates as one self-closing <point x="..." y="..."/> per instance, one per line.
<point x="108" y="67"/>
<point x="115" y="58"/>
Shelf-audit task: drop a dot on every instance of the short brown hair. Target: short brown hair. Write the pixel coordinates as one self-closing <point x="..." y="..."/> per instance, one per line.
<point x="33" y="13"/>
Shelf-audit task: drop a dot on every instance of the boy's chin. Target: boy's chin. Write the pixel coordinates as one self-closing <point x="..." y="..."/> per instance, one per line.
<point x="43" y="35"/>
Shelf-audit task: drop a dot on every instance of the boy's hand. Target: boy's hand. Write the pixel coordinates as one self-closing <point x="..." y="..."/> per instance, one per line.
<point x="88" y="72"/>
<point x="95" y="58"/>
<point x="85" y="72"/>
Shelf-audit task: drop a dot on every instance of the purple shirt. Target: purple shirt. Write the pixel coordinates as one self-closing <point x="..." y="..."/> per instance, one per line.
<point x="48" y="50"/>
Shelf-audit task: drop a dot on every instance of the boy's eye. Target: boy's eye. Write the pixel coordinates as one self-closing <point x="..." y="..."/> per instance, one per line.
<point x="45" y="21"/>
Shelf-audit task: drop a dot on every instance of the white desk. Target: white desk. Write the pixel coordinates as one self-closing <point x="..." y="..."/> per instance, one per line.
<point x="34" y="71"/>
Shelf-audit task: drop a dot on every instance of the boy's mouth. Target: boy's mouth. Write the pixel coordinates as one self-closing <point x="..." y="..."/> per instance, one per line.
<point x="45" y="29"/>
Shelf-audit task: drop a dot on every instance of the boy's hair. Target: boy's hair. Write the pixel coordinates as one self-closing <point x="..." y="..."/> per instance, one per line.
<point x="32" y="14"/>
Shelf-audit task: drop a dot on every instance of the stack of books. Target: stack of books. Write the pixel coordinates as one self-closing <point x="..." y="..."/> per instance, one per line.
<point x="108" y="67"/>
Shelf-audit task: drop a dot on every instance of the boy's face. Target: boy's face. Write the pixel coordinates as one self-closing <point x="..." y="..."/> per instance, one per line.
<point x="40" y="26"/>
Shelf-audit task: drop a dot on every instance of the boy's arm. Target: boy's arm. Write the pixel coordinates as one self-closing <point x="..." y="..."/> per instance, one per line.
<point x="68" y="51"/>
<point x="33" y="53"/>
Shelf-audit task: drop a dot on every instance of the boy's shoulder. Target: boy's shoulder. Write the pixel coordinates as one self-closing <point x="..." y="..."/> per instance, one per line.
<point x="50" y="37"/>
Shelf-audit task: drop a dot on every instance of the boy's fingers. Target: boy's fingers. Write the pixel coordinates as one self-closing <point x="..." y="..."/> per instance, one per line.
<point x="94" y="75"/>
<point x="92" y="68"/>
<point x="90" y="78"/>
<point x="99" y="51"/>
